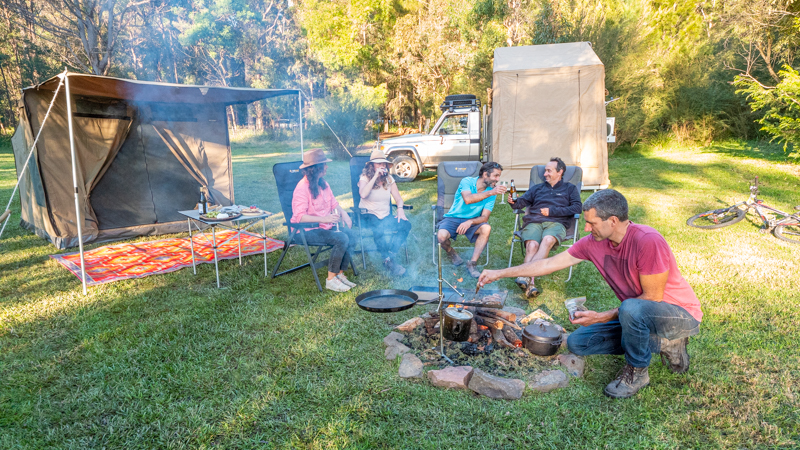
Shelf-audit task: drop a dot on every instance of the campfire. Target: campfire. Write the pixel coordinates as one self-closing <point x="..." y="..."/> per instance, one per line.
<point x="487" y="327"/>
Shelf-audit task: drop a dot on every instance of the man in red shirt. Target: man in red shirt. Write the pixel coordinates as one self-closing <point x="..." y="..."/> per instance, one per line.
<point x="659" y="309"/>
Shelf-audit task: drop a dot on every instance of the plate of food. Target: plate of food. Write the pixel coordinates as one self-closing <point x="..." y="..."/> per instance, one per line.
<point x="251" y="211"/>
<point x="219" y="216"/>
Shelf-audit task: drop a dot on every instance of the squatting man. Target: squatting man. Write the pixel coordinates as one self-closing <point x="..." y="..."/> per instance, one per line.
<point x="659" y="310"/>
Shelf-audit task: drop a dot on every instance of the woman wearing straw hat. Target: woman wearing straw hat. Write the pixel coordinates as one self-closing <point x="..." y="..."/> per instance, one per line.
<point x="313" y="201"/>
<point x="376" y="188"/>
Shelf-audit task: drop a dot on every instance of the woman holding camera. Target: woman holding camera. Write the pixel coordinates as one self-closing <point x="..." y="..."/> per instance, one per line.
<point x="377" y="188"/>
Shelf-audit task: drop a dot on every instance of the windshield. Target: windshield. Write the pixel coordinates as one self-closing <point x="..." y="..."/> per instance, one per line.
<point x="455" y="124"/>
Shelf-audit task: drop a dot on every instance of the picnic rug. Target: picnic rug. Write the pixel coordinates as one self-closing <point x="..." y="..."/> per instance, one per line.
<point x="137" y="260"/>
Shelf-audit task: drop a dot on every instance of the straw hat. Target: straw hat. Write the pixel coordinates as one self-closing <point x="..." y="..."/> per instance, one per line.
<point x="377" y="156"/>
<point x="314" y="157"/>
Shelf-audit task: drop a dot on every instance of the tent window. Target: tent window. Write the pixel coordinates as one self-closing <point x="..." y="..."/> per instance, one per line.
<point x="101" y="108"/>
<point x="162" y="112"/>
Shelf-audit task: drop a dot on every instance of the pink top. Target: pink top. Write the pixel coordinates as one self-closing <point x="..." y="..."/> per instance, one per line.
<point x="304" y="203"/>
<point x="643" y="251"/>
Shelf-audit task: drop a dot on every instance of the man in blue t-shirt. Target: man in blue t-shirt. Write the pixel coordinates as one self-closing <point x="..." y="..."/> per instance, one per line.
<point x="469" y="214"/>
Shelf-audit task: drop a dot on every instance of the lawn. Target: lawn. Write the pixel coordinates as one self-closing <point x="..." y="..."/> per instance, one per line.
<point x="170" y="361"/>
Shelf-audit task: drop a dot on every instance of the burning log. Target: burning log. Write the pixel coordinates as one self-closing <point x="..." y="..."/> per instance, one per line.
<point x="490" y="322"/>
<point x="498" y="336"/>
<point x="512" y="337"/>
<point x="511" y="317"/>
<point x="492" y="316"/>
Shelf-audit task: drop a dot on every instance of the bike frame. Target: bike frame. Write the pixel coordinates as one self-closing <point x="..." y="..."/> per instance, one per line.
<point x="759" y="206"/>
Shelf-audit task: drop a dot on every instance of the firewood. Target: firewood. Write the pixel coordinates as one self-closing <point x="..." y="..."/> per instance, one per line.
<point x="473" y="326"/>
<point x="501" y="340"/>
<point x="512" y="337"/>
<point x="511" y="317"/>
<point x="497" y="324"/>
<point x="491" y="316"/>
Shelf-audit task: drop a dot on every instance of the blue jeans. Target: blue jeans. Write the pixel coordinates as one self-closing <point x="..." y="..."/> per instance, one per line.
<point x="636" y="332"/>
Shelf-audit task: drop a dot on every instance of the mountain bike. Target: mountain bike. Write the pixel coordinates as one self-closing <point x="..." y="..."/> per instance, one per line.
<point x="783" y="225"/>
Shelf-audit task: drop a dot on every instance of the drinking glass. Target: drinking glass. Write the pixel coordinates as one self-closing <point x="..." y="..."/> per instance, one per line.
<point x="503" y="197"/>
<point x="335" y="211"/>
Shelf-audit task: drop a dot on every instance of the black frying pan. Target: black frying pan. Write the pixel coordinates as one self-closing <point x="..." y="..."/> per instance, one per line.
<point x="386" y="300"/>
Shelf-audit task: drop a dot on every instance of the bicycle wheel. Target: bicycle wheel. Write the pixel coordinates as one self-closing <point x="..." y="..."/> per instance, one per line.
<point x="717" y="218"/>
<point x="789" y="232"/>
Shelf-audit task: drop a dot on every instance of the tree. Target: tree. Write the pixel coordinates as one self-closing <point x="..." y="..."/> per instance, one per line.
<point x="780" y="105"/>
<point x="83" y="32"/>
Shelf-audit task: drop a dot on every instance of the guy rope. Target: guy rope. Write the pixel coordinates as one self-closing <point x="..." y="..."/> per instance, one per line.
<point x="6" y="216"/>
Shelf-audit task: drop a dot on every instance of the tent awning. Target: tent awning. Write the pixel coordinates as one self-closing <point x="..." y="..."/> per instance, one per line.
<point x="149" y="91"/>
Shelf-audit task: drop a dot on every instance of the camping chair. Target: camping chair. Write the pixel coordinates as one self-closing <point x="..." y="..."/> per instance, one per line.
<point x="287" y="175"/>
<point x="449" y="175"/>
<point x="357" y="164"/>
<point x="574" y="175"/>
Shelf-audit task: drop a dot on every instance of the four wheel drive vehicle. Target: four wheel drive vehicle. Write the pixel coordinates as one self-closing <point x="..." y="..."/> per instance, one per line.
<point x="456" y="136"/>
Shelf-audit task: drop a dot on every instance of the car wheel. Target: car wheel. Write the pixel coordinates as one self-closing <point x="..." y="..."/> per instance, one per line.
<point x="405" y="169"/>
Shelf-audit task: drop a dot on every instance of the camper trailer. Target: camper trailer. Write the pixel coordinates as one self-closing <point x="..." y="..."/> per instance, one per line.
<point x="545" y="101"/>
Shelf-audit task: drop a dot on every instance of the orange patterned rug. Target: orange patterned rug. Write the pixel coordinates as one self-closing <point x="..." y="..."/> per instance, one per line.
<point x="137" y="260"/>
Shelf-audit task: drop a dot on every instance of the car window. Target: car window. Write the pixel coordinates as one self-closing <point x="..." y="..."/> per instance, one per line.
<point x="454" y="125"/>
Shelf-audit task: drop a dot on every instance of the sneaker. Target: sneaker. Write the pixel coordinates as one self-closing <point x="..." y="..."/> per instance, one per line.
<point x="532" y="291"/>
<point x="472" y="268"/>
<point x="454" y="258"/>
<point x="345" y="281"/>
<point x="336" y="285"/>
<point x="393" y="267"/>
<point x="674" y="354"/>
<point x="628" y="382"/>
<point x="523" y="282"/>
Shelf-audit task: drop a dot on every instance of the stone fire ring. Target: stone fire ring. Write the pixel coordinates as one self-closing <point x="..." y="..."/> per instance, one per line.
<point x="476" y="380"/>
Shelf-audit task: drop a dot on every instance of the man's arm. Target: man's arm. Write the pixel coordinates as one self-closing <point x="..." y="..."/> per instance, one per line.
<point x="531" y="269"/>
<point x="470" y="198"/>
<point x="653" y="286"/>
<point x="484" y="217"/>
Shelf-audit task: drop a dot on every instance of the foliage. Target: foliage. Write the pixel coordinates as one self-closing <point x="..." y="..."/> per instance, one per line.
<point x="348" y="111"/>
<point x="780" y="105"/>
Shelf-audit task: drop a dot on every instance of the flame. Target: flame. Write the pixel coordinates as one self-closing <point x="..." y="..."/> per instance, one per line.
<point x="450" y="305"/>
<point x="460" y="280"/>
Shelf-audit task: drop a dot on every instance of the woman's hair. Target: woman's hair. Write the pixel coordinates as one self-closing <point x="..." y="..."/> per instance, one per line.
<point x="369" y="172"/>
<point x="314" y="176"/>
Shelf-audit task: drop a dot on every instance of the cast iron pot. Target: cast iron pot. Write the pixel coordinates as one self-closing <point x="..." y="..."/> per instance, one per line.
<point x="456" y="324"/>
<point x="541" y="339"/>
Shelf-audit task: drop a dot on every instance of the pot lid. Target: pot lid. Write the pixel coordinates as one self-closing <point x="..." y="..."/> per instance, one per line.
<point x="457" y="314"/>
<point x="543" y="332"/>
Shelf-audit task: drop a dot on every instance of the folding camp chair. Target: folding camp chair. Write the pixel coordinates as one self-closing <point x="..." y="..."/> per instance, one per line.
<point x="449" y="175"/>
<point x="572" y="174"/>
<point x="357" y="164"/>
<point x="287" y="175"/>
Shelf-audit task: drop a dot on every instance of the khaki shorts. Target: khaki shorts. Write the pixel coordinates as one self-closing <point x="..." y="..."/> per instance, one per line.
<point x="537" y="231"/>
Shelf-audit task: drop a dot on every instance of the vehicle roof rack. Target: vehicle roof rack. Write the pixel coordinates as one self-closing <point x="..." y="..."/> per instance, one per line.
<point x="460" y="101"/>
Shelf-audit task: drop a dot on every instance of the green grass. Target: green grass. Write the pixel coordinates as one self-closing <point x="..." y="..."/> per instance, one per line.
<point x="169" y="361"/>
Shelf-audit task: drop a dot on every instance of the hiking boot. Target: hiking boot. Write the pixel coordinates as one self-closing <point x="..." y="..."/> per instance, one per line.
<point x="674" y="354"/>
<point x="532" y="291"/>
<point x="523" y="283"/>
<point x="628" y="382"/>
<point x="393" y="267"/>
<point x="472" y="268"/>
<point x="454" y="258"/>
<point x="345" y="281"/>
<point x="336" y="285"/>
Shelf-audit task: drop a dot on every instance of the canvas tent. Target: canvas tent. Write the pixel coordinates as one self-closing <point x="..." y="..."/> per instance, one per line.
<point x="548" y="100"/>
<point x="141" y="150"/>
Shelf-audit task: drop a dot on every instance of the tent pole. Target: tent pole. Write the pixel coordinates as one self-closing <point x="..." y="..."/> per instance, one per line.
<point x="300" y="115"/>
<point x="75" y="181"/>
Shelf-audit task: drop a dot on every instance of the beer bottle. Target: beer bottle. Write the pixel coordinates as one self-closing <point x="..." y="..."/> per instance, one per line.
<point x="513" y="191"/>
<point x="203" y="202"/>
